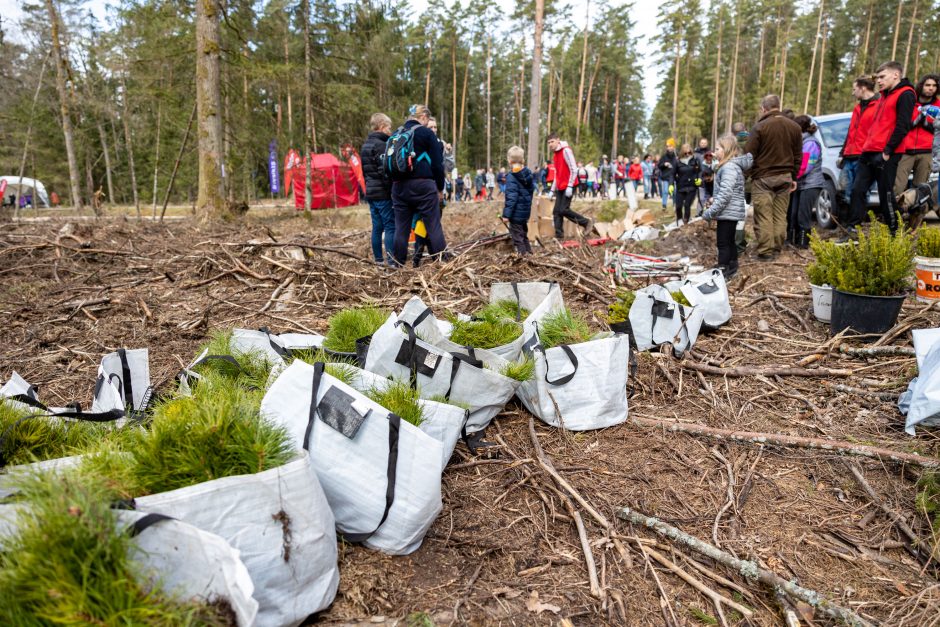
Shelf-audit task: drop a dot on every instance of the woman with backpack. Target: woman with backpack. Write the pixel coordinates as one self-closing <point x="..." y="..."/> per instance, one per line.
<point x="726" y="207"/>
<point x="809" y="182"/>
<point x="688" y="171"/>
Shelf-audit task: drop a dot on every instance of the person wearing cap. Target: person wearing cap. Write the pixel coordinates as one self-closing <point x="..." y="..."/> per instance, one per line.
<point x="422" y="189"/>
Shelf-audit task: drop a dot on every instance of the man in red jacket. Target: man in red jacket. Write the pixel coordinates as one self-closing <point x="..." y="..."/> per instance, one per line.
<point x="566" y="172"/>
<point x="880" y="154"/>
<point x="864" y="91"/>
<point x="919" y="141"/>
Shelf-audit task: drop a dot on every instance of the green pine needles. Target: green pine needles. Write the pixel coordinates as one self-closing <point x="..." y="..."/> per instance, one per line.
<point x="878" y="264"/>
<point x="928" y="242"/>
<point x="830" y="259"/>
<point x="349" y="325"/>
<point x="40" y="437"/>
<point x="619" y="310"/>
<point x="253" y="368"/>
<point x="71" y="562"/>
<point x="506" y="309"/>
<point x="492" y="326"/>
<point x="680" y="298"/>
<point x="519" y="370"/>
<point x="563" y="327"/>
<point x="400" y="399"/>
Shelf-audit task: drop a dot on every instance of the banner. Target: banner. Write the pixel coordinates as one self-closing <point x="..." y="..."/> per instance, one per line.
<point x="272" y="168"/>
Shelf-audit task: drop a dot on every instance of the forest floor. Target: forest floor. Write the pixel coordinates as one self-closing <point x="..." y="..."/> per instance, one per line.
<point x="505" y="550"/>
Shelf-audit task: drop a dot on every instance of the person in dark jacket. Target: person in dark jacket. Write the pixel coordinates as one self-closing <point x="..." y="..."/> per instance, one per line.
<point x="379" y="188"/>
<point x="809" y="182"/>
<point x="520" y="187"/>
<point x="863" y="89"/>
<point x="666" y="168"/>
<point x="422" y="189"/>
<point x="688" y="171"/>
<point x="880" y="151"/>
<point x="918" y="142"/>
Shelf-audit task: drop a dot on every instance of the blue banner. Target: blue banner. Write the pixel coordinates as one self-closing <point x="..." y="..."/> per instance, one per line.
<point x="273" y="172"/>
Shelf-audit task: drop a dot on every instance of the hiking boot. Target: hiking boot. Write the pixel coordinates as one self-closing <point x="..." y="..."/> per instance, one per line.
<point x="589" y="227"/>
<point x="766" y="256"/>
<point x="802" y="240"/>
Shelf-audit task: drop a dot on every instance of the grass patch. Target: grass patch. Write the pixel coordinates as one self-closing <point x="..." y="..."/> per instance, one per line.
<point x="349" y="325"/>
<point x="563" y="327"/>
<point x="400" y="399"/>
<point x="45" y="437"/>
<point x="217" y="433"/>
<point x="70" y="562"/>
<point x="519" y="370"/>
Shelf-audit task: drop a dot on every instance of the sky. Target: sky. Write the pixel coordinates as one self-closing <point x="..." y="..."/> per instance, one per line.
<point x="643" y="15"/>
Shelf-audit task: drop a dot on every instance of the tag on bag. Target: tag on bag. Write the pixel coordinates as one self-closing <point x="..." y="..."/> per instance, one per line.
<point x="342" y="412"/>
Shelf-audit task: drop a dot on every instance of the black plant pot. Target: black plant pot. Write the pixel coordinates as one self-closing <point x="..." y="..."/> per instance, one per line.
<point x="863" y="314"/>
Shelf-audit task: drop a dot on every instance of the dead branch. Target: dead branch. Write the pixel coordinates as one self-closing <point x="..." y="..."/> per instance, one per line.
<point x="747" y="568"/>
<point x="777" y="439"/>
<point x="769" y="371"/>
<point x="875" y="351"/>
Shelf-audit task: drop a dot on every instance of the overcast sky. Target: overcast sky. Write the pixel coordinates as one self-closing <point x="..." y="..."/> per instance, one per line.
<point x="643" y="14"/>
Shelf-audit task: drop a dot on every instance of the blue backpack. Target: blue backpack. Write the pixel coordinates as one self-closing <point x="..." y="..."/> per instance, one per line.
<point x="400" y="155"/>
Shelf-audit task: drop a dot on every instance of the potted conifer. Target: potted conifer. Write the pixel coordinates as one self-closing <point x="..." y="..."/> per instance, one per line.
<point x="823" y="274"/>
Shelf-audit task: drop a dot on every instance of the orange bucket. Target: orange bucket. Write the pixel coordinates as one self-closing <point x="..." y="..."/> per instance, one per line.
<point x="927" y="270"/>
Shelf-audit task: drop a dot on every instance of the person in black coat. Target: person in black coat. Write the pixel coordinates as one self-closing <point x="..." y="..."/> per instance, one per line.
<point x="520" y="186"/>
<point x="379" y="188"/>
<point x="666" y="168"/>
<point x="688" y="173"/>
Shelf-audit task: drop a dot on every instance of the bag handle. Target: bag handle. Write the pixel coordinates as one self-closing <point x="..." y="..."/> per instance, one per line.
<point x="568" y="377"/>
<point x="284" y="353"/>
<point x="391" y="469"/>
<point x="515" y="290"/>
<point x="76" y="413"/>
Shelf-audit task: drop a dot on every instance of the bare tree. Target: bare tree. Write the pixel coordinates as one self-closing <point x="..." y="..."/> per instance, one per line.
<point x="897" y="29"/>
<point x="125" y="118"/>
<point x="587" y="21"/>
<point x="211" y="200"/>
<point x="61" y="70"/>
<point x="812" y="65"/>
<point x="535" y="93"/>
<point x="309" y="132"/>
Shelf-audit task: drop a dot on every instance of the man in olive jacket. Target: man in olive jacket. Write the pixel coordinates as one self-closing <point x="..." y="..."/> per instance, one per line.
<point x="776" y="143"/>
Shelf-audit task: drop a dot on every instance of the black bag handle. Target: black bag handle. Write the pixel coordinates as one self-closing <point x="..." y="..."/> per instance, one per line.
<point x="515" y="290"/>
<point x="568" y="377"/>
<point x="391" y="470"/>
<point x="144" y="522"/>
<point x="285" y="353"/>
<point x="76" y="413"/>
<point x="127" y="388"/>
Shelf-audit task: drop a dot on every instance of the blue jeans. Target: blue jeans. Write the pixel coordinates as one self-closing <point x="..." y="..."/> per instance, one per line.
<point x="647" y="186"/>
<point x="383" y="220"/>
<point x="664" y="192"/>
<point x="849" y="168"/>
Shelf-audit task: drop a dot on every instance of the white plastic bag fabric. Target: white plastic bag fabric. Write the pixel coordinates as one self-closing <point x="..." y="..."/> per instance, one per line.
<point x="658" y="319"/>
<point x="466" y="376"/>
<point x="123" y="381"/>
<point x="708" y="291"/>
<point x="187" y="563"/>
<point x="923" y="395"/>
<point x="381" y="475"/>
<point x="280" y="522"/>
<point x="442" y="421"/>
<point x="924" y="340"/>
<point x="578" y="386"/>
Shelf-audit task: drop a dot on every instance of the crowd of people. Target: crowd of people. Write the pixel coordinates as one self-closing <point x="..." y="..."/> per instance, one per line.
<point x="776" y="167"/>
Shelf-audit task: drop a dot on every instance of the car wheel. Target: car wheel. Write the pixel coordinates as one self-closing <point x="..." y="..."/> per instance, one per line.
<point x="826" y="206"/>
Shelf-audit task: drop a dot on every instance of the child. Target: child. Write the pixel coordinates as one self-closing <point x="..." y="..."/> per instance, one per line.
<point x="727" y="205"/>
<point x="519" y="190"/>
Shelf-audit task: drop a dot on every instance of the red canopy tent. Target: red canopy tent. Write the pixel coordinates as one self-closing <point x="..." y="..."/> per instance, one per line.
<point x="333" y="183"/>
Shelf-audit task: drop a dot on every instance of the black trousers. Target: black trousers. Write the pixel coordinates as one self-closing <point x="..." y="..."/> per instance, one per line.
<point x="563" y="210"/>
<point x="416" y="196"/>
<point x="727" y="248"/>
<point x="800" y="212"/>
<point x="519" y="232"/>
<point x="873" y="168"/>
<point x="684" y="200"/>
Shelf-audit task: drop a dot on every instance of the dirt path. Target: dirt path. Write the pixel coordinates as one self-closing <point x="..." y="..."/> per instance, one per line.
<point x="505" y="550"/>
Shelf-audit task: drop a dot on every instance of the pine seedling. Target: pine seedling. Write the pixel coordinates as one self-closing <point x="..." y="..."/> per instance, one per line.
<point x="619" y="310"/>
<point x="400" y="399"/>
<point x="680" y="298"/>
<point x="349" y="325"/>
<point x="485" y="333"/>
<point x="252" y="372"/>
<point x="519" y="370"/>
<point x="440" y="398"/>
<point x="879" y="263"/>
<point x="314" y="355"/>
<point x="830" y="258"/>
<point x="505" y="309"/>
<point x="928" y="242"/>
<point x="563" y="327"/>
<point x="70" y="561"/>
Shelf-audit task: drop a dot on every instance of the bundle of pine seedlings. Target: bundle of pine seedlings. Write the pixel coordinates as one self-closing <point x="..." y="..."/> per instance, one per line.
<point x="494" y="325"/>
<point x="29" y="435"/>
<point x="349" y="325"/>
<point x="251" y="370"/>
<point x="563" y="327"/>
<point x="66" y="559"/>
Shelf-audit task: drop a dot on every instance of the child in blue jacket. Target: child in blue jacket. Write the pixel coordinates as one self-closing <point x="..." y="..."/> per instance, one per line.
<point x="519" y="189"/>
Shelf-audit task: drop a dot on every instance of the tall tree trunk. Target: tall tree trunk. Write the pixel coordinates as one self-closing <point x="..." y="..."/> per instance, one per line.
<point x="290" y="104"/>
<point x="864" y="56"/>
<point x="463" y="99"/>
<point x="102" y="136"/>
<point x="717" y="90"/>
<point x="60" y="79"/>
<point x="897" y="29"/>
<point x="675" y="91"/>
<point x="453" y="88"/>
<point x="920" y="37"/>
<point x="910" y="38"/>
<point x="605" y="101"/>
<point x="734" y="65"/>
<point x="521" y="107"/>
<point x="587" y="101"/>
<point x="128" y="142"/>
<point x="812" y="65"/>
<point x="535" y="92"/>
<point x="308" y="112"/>
<point x="760" y="62"/>
<point x="156" y="158"/>
<point x="211" y="200"/>
<point x="90" y="183"/>
<point x="427" y="76"/>
<point x="489" y="117"/>
<point x="246" y="111"/>
<point x="584" y="48"/>
<point x="783" y="64"/>
<point x="29" y="132"/>
<point x="822" y="67"/>
<point x="616" y="138"/>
